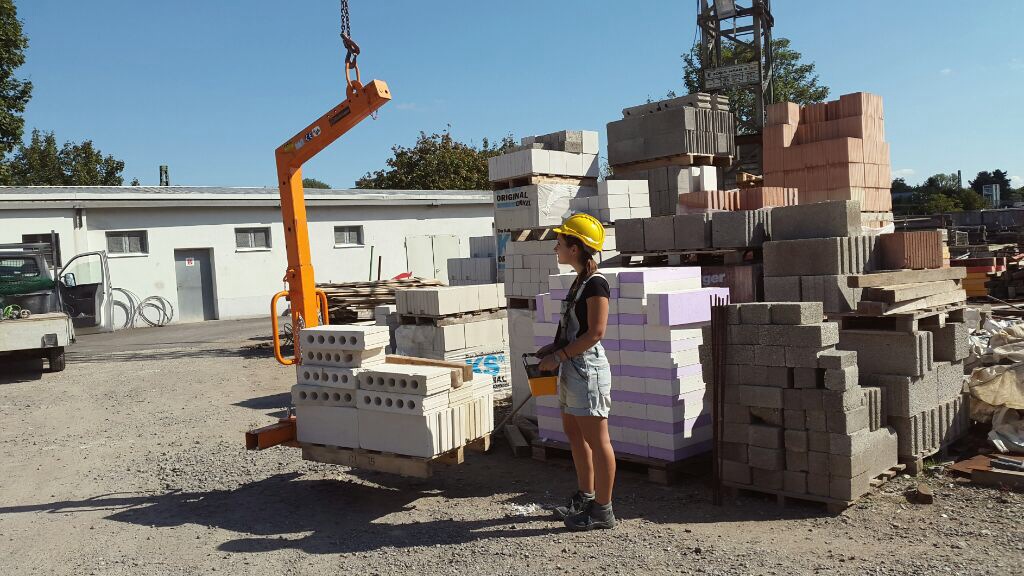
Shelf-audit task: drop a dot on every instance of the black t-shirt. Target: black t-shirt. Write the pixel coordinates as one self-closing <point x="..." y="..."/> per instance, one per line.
<point x="596" y="286"/>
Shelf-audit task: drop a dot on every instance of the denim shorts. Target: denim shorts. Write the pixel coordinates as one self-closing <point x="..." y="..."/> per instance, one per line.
<point x="585" y="384"/>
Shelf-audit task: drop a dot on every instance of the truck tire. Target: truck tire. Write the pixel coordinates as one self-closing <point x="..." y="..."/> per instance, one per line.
<point x="57" y="362"/>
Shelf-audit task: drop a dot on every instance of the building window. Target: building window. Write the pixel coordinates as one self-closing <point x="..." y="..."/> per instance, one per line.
<point x="128" y="242"/>
<point x="45" y="239"/>
<point x="348" y="236"/>
<point x="252" y="238"/>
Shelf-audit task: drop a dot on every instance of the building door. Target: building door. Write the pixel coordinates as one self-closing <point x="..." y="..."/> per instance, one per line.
<point x="194" y="274"/>
<point x="427" y="256"/>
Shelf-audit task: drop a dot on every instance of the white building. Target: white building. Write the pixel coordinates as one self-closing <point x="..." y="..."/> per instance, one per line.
<point x="220" y="252"/>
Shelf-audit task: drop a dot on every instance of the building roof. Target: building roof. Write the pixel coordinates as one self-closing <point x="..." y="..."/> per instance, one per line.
<point x="152" y="196"/>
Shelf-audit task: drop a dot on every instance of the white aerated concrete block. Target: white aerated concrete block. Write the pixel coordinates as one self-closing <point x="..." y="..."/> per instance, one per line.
<point x="423" y="435"/>
<point x="345" y="337"/>
<point x="674" y="387"/>
<point x="329" y="425"/>
<point x="331" y="358"/>
<point x="373" y="400"/>
<point x="305" y="394"/>
<point x="406" y="379"/>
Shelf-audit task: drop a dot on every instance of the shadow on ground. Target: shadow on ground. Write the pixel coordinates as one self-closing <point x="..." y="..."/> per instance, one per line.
<point x="18" y="370"/>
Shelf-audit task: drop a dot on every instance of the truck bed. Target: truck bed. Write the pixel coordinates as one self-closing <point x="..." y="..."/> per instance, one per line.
<point x="31" y="333"/>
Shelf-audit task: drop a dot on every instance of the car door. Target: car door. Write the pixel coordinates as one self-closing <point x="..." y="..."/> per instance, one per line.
<point x="86" y="293"/>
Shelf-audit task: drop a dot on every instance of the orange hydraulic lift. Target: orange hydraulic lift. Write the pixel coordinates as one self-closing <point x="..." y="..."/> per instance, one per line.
<point x="309" y="305"/>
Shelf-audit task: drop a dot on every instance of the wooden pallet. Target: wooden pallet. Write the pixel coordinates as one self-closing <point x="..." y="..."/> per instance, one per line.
<point x="391" y="463"/>
<point x="832" y="505"/>
<point x="910" y="322"/>
<point x="544" y="179"/>
<point x="708" y="257"/>
<point x="451" y="319"/>
<point x="353" y="301"/>
<point x="658" y="471"/>
<point x="516" y="303"/>
<point x="676" y="160"/>
<point x="533" y="234"/>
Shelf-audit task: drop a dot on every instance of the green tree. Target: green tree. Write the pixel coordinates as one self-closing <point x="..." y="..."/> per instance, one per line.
<point x="41" y="163"/>
<point x="14" y="93"/>
<point x="899" y="186"/>
<point x="795" y="80"/>
<point x="314" y="183"/>
<point x="436" y="162"/>
<point x="994" y="177"/>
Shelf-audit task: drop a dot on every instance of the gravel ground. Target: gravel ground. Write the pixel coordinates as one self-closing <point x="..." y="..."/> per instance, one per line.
<point x="132" y="461"/>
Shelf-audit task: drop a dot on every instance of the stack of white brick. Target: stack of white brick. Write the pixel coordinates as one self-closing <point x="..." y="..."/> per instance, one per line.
<point x="369" y="404"/>
<point x="479" y="268"/>
<point x="448" y="323"/>
<point x="529" y="263"/>
<point x="659" y="406"/>
<point x="616" y="200"/>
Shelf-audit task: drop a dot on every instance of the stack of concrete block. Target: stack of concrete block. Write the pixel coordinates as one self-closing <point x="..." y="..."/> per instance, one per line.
<point x="814" y="248"/>
<point x="616" y="200"/>
<point x="659" y="406"/>
<point x="738" y="229"/>
<point x="571" y="153"/>
<point x="536" y="204"/>
<point x="921" y="375"/>
<point x="528" y="263"/>
<point x="741" y="228"/>
<point x="796" y="419"/>
<point x="470" y="271"/>
<point x="387" y="315"/>
<point x="916" y="250"/>
<point x="458" y="324"/>
<point x="830" y="151"/>
<point x="667" y="131"/>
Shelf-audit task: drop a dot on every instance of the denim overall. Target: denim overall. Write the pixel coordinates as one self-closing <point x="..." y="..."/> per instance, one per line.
<point x="584" y="381"/>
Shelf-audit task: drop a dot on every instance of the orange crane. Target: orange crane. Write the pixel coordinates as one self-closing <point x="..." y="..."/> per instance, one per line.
<point x="309" y="305"/>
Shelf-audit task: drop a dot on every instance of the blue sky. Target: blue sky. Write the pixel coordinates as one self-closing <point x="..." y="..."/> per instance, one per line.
<point x="211" y="88"/>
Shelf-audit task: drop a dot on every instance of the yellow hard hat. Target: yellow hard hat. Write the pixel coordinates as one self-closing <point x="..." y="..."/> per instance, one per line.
<point x="585" y="227"/>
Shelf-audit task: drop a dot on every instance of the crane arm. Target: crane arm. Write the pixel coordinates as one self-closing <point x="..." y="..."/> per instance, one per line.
<point x="306" y="306"/>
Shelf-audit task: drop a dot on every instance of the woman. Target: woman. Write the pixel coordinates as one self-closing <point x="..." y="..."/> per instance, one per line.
<point x="584" y="380"/>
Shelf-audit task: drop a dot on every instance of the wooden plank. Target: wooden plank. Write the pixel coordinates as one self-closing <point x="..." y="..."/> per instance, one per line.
<point x="330" y="455"/>
<point x="516" y="441"/>
<point x="927" y="302"/>
<point x="878" y="279"/>
<point x="892" y="294"/>
<point x="462" y="372"/>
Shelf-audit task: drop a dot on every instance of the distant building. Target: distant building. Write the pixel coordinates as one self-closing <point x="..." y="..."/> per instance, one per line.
<point x="220" y="252"/>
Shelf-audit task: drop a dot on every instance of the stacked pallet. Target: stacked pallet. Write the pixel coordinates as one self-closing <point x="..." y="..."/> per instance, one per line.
<point x="356" y="301"/>
<point x="796" y="421"/>
<point x="907" y="292"/>
<point x="1006" y="282"/>
<point x="830" y="151"/>
<point x="676" y="145"/>
<point x="814" y="249"/>
<point x="348" y="396"/>
<point x="979" y="272"/>
<point x="616" y="200"/>
<point x="465" y="324"/>
<point x="659" y="407"/>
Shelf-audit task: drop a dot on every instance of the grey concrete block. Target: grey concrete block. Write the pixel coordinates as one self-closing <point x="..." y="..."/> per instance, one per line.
<point x="849" y="489"/>
<point x="767" y="479"/>
<point x="766" y="458"/>
<point x="735" y="432"/>
<point x="874" y="457"/>
<point x="782" y="289"/>
<point x="925" y="433"/>
<point x="873" y="400"/>
<point x="816" y="420"/>
<point x="764" y="436"/>
<point x="841" y="378"/>
<point x="819" y="220"/>
<point x="760" y="396"/>
<point x="884" y="352"/>
<point x="659" y="233"/>
<point x="820" y="257"/>
<point x="818" y="462"/>
<point x="756" y="313"/>
<point x="794" y="419"/>
<point x="818" y="441"/>
<point x="818" y="484"/>
<point x="734" y="451"/>
<point x="904" y="396"/>
<point x="739" y="354"/>
<point x="741" y="228"/>
<point x="837" y="359"/>
<point x="744" y="334"/>
<point x="951" y="342"/>
<point x="766" y="416"/>
<point x="848" y="422"/>
<point x="819" y="335"/>
<point x="796" y="440"/>
<point x="797" y="312"/>
<point x="796" y="461"/>
<point x="736" y="413"/>
<point x="813" y="399"/>
<point x="792" y="399"/>
<point x="779" y="376"/>
<point x="752" y="375"/>
<point x="692" y="231"/>
<point x="735" y="472"/>
<point x="794" y="482"/>
<point x="629" y="235"/>
<point x="732" y="315"/>
<point x="949" y="381"/>
<point x="832" y="291"/>
<point x="800" y="357"/>
<point x="842" y="400"/>
<point x="808" y="378"/>
<point x="850" y="444"/>
<point x="770" y="355"/>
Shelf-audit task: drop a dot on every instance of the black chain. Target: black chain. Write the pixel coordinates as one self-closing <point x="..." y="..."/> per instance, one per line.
<point x="351" y="48"/>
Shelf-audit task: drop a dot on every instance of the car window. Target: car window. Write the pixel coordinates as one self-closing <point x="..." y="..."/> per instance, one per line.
<point x="15" y="268"/>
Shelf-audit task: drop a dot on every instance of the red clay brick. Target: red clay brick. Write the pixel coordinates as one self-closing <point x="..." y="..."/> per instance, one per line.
<point x="915" y="250"/>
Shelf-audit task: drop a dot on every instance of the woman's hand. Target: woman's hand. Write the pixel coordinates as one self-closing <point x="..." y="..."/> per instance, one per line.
<point x="550" y="363"/>
<point x="545" y="350"/>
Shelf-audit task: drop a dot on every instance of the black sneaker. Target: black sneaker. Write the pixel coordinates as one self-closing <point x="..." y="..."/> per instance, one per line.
<point x="593" y="517"/>
<point x="576" y="504"/>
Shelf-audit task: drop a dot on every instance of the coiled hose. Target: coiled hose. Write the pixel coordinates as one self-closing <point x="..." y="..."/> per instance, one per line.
<point x="154" y="311"/>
